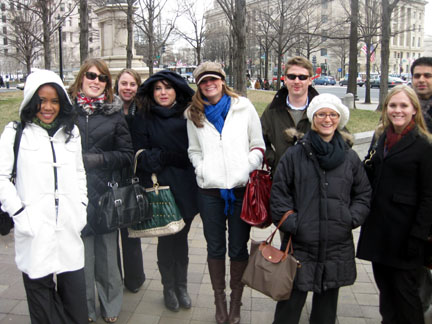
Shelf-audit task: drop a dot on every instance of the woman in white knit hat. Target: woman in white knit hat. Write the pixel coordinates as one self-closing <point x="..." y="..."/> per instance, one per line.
<point x="48" y="201"/>
<point x="323" y="181"/>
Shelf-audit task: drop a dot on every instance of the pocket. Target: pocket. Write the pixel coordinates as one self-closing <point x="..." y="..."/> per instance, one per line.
<point x="22" y="223"/>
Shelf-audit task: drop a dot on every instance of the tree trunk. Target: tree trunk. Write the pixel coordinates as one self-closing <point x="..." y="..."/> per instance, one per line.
<point x="84" y="30"/>
<point x="352" y="70"/>
<point x="240" y="47"/>
<point x="46" y="24"/>
<point x="368" y="66"/>
<point x="129" y="26"/>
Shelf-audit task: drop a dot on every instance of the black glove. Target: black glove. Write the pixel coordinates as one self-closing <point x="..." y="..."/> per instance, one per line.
<point x="414" y="247"/>
<point x="93" y="160"/>
<point x="179" y="160"/>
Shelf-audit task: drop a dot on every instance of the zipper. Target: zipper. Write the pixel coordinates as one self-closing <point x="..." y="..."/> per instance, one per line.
<point x="86" y="133"/>
<point x="56" y="195"/>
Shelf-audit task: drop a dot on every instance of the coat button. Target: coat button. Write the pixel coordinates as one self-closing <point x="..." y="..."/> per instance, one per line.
<point x="326" y="184"/>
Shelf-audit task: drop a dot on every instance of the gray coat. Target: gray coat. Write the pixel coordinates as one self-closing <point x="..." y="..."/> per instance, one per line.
<point x="327" y="206"/>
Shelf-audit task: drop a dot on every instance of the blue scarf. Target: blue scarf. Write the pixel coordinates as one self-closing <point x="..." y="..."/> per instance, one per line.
<point x="216" y="115"/>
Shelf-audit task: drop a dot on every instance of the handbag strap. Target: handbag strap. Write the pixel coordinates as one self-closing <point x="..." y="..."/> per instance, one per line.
<point x="136" y="160"/>
<point x="264" y="162"/>
<point x="153" y="176"/>
<point x="18" y="134"/>
<point x="269" y="240"/>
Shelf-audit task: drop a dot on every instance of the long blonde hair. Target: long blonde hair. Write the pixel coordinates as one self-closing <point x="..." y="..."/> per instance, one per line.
<point x="418" y="117"/>
<point x="196" y="108"/>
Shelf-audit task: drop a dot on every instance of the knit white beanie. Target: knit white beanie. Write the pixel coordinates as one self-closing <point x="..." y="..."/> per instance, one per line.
<point x="37" y="79"/>
<point x="328" y="100"/>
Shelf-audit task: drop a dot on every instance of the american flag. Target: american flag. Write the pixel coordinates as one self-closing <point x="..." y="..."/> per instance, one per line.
<point x="364" y="49"/>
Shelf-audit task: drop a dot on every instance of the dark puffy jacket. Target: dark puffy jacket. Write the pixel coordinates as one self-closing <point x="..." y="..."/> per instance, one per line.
<point x="104" y="132"/>
<point x="278" y="126"/>
<point x="401" y="202"/>
<point x="327" y="206"/>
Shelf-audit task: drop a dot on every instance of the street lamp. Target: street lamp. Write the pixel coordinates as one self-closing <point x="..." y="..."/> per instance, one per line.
<point x="60" y="47"/>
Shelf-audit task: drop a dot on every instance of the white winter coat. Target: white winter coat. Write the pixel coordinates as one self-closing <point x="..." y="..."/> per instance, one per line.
<point x="225" y="160"/>
<point x="46" y="242"/>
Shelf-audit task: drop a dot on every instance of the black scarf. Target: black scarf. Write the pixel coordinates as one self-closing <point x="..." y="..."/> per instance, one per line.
<point x="329" y="154"/>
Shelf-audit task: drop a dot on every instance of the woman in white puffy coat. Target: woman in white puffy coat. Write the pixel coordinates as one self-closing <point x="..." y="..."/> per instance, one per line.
<point x="48" y="201"/>
<point x="223" y="128"/>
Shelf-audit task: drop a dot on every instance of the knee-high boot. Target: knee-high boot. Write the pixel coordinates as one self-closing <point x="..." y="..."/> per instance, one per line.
<point x="217" y="277"/>
<point x="168" y="282"/>
<point x="236" y="272"/>
<point x="183" y="297"/>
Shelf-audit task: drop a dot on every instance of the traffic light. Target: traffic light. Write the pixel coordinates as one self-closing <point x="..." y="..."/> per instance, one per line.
<point x="314" y="60"/>
<point x="163" y="48"/>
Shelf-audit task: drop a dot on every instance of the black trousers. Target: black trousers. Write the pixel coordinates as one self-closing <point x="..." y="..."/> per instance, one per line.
<point x="64" y="305"/>
<point x="399" y="295"/>
<point x="324" y="307"/>
<point x="133" y="267"/>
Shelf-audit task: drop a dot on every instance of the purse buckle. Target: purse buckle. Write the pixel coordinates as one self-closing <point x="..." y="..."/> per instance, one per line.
<point x="118" y="203"/>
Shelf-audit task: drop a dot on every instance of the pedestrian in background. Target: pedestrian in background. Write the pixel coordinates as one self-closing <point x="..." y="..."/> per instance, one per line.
<point x="126" y="86"/>
<point x="395" y="232"/>
<point x="323" y="181"/>
<point x="160" y="129"/>
<point x="1" y="82"/>
<point x="107" y="149"/>
<point x="7" y="80"/>
<point x="223" y="128"/>
<point x="48" y="201"/>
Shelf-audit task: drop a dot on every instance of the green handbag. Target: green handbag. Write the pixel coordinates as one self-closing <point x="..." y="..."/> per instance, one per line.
<point x="166" y="220"/>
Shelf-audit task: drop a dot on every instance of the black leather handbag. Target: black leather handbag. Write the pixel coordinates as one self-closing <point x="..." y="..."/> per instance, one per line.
<point x="122" y="206"/>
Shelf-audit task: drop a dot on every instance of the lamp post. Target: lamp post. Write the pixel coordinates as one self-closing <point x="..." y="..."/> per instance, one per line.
<point x="60" y="47"/>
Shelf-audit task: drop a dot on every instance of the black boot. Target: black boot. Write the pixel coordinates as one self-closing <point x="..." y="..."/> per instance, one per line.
<point x="168" y="282"/>
<point x="181" y="284"/>
<point x="217" y="277"/>
<point x="236" y="271"/>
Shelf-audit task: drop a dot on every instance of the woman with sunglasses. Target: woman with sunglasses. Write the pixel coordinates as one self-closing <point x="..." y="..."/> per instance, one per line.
<point x="107" y="148"/>
<point x="323" y="181"/>
<point x="48" y="201"/>
<point x="394" y="235"/>
<point x="223" y="130"/>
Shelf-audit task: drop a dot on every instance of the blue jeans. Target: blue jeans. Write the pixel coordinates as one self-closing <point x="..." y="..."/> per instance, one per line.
<point x="215" y="225"/>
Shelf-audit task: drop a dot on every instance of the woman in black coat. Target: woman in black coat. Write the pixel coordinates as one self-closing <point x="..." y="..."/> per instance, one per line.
<point x="323" y="181"/>
<point x="394" y="234"/>
<point x="107" y="149"/>
<point x="160" y="128"/>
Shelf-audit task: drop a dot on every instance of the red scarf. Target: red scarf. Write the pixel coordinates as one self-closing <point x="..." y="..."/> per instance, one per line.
<point x="89" y="104"/>
<point x="392" y="137"/>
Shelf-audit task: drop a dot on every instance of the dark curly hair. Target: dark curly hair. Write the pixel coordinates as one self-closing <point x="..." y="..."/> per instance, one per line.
<point x="66" y="116"/>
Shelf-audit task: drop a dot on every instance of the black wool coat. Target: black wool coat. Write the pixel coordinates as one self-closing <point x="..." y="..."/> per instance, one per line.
<point x="327" y="206"/>
<point x="401" y="202"/>
<point x="163" y="133"/>
<point x="104" y="132"/>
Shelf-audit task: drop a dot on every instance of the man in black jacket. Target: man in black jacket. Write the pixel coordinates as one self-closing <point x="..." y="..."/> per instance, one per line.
<point x="285" y="120"/>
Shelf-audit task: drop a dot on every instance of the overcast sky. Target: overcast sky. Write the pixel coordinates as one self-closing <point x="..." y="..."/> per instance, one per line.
<point x="428" y="19"/>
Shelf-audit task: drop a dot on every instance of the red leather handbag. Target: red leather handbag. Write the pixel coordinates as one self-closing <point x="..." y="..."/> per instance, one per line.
<point x="256" y="201"/>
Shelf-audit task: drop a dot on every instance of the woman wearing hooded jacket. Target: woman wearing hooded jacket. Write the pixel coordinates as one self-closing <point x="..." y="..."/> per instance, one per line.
<point x="223" y="129"/>
<point x="323" y="181"/>
<point x="48" y="201"/>
<point x="160" y="129"/>
<point x="107" y="148"/>
<point x="394" y="235"/>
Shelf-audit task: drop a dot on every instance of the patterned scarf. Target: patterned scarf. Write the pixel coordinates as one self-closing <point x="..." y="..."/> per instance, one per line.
<point x="46" y="126"/>
<point x="392" y="137"/>
<point x="90" y="104"/>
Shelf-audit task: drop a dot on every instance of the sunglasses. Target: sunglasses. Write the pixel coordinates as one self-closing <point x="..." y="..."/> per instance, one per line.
<point x="93" y="76"/>
<point x="301" y="77"/>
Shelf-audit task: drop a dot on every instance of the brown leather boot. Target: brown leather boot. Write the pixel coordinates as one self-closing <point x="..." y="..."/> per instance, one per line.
<point x="217" y="277"/>
<point x="236" y="271"/>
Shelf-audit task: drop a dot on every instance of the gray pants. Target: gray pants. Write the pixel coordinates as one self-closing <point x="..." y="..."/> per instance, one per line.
<point x="101" y="269"/>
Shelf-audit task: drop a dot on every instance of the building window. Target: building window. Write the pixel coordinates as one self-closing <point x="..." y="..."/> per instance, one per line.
<point x="12" y="7"/>
<point x="5" y="41"/>
<point x="63" y="36"/>
<point x="62" y="6"/>
<point x="323" y="51"/>
<point x="3" y="18"/>
<point x="70" y="6"/>
<point x="90" y="39"/>
<point x="324" y="19"/>
<point x="4" y="30"/>
<point x="71" y="37"/>
<point x="70" y="21"/>
<point x="324" y="4"/>
<point x="3" y="7"/>
<point x="419" y="42"/>
<point x="18" y="6"/>
<point x="413" y="42"/>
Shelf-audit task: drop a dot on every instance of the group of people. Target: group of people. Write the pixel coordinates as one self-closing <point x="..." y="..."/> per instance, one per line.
<point x="202" y="144"/>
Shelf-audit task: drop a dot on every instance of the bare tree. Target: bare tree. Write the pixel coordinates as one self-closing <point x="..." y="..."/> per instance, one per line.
<point x="352" y="70"/>
<point x="21" y="30"/>
<point x="148" y="19"/>
<point x="84" y="30"/>
<point x="387" y="8"/>
<point x="339" y="46"/>
<point x="235" y="11"/>
<point x="198" y="35"/>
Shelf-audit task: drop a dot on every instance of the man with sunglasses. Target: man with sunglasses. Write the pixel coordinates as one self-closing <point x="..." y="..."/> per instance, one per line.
<point x="285" y="119"/>
<point x="421" y="71"/>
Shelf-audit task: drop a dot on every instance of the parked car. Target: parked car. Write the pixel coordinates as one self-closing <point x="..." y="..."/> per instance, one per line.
<point x="324" y="80"/>
<point x="344" y="82"/>
<point x="392" y="81"/>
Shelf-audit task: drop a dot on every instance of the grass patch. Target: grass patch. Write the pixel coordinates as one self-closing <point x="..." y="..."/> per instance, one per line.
<point x="360" y="120"/>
